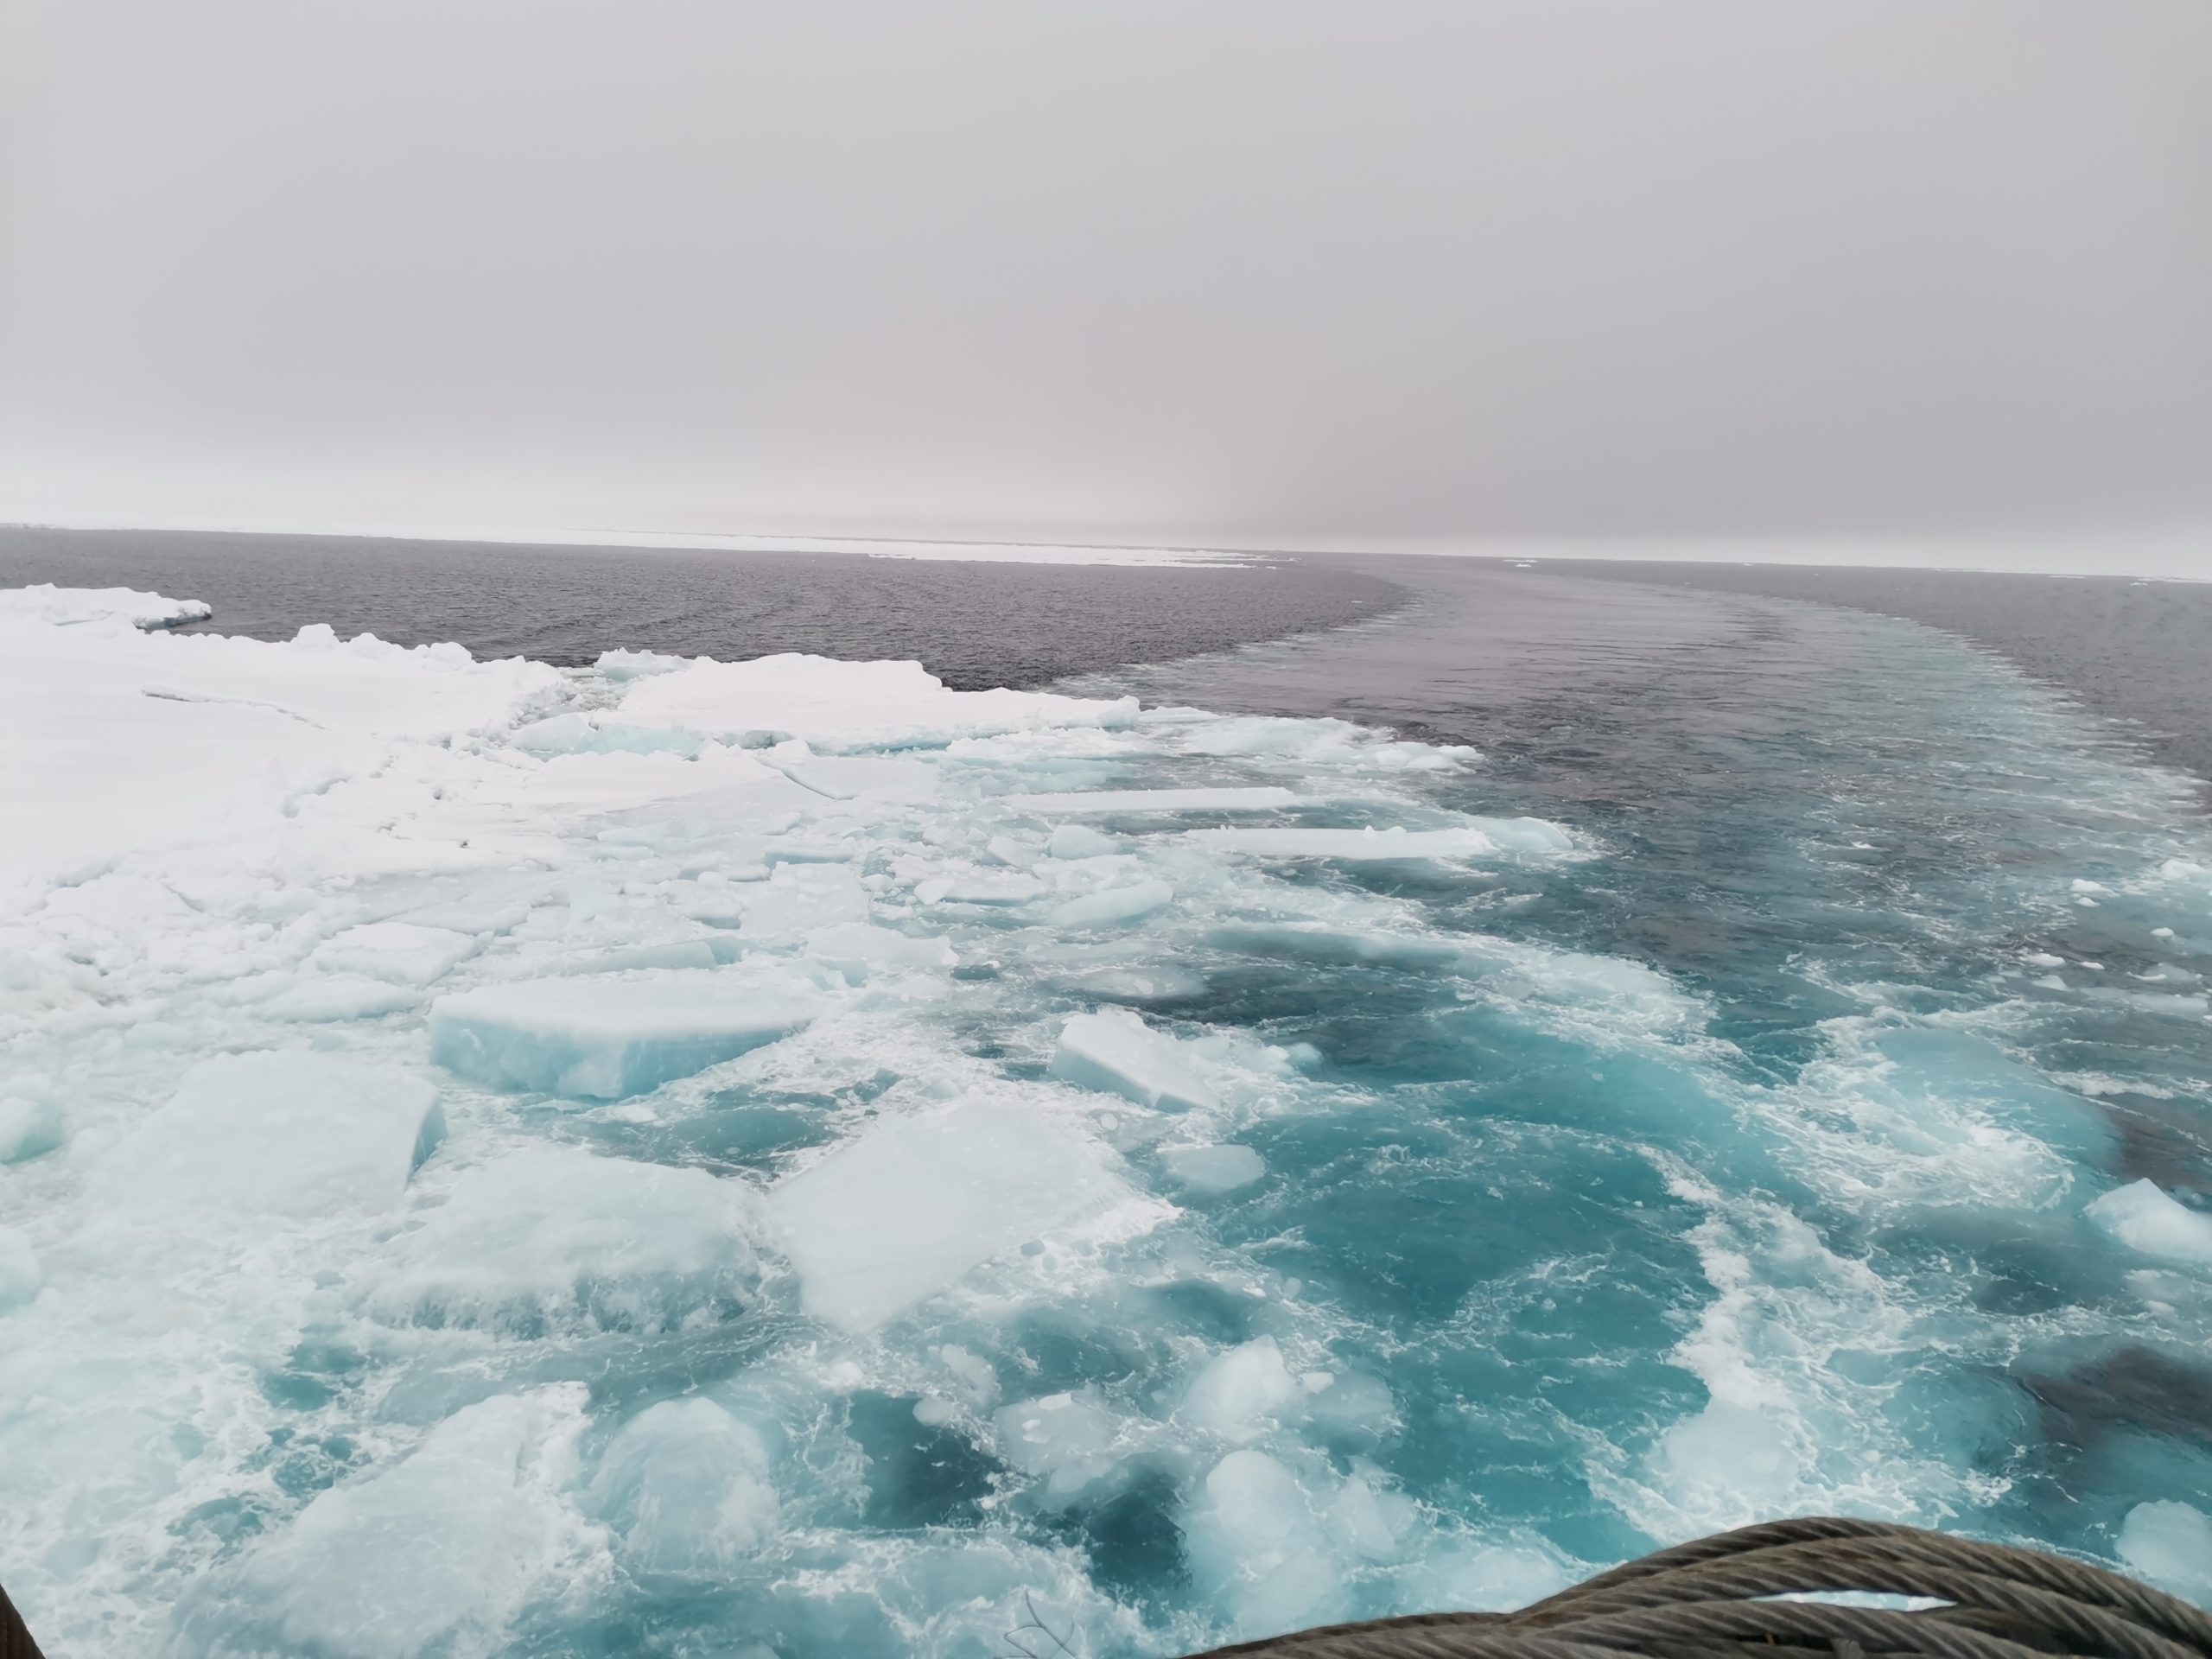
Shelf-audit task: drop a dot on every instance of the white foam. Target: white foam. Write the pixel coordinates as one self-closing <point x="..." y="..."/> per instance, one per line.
<point x="605" y="1036"/>
<point x="906" y="1211"/>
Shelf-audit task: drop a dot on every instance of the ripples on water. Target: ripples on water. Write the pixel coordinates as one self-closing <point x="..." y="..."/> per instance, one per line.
<point x="1737" y="1170"/>
<point x="972" y="624"/>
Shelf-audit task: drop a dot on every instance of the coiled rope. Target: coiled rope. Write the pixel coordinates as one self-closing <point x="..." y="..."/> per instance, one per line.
<point x="1712" y="1597"/>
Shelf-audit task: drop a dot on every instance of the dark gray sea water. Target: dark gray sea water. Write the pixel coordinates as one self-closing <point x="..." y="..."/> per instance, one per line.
<point x="1775" y="1151"/>
<point x="973" y="625"/>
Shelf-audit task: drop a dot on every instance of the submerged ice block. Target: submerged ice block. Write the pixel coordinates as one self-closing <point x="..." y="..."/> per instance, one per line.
<point x="602" y="1037"/>
<point x="686" y="1487"/>
<point x="434" y="1553"/>
<point x="1116" y="1051"/>
<point x="906" y="1211"/>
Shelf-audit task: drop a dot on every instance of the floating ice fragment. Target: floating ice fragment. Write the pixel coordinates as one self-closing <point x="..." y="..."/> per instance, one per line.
<point x="280" y="1134"/>
<point x="559" y="1233"/>
<point x="978" y="888"/>
<point x="686" y="1487"/>
<point x="1240" y="1394"/>
<point x="1114" y="1050"/>
<point x="2171" y="1544"/>
<point x="439" y="1550"/>
<point x="2146" y="1218"/>
<point x="1254" y="799"/>
<point x="603" y="1037"/>
<point x="1067" y="1438"/>
<point x="1112" y="906"/>
<point x="1078" y="840"/>
<point x="907" y="1210"/>
<point x="1257" y="1544"/>
<point x="1213" y="1169"/>
<point x="855" y="948"/>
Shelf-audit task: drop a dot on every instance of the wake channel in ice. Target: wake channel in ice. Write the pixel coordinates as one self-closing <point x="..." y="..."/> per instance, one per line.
<point x="796" y="1159"/>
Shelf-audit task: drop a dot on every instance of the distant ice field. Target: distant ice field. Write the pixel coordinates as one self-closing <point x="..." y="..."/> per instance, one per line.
<point x="788" y="1157"/>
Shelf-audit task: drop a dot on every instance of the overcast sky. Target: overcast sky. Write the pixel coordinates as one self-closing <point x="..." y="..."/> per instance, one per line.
<point x="1904" y="273"/>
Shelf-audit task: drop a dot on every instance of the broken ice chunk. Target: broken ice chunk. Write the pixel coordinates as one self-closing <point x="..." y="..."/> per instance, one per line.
<point x="1114" y="1050"/>
<point x="557" y="1234"/>
<point x="2144" y="1217"/>
<point x="907" y="1210"/>
<point x="856" y="949"/>
<point x="1114" y="906"/>
<point x="1068" y="1439"/>
<point x="1257" y="1543"/>
<point x="1078" y="840"/>
<point x="1213" y="1169"/>
<point x="436" y="1552"/>
<point x="276" y="1134"/>
<point x="603" y="1037"/>
<point x="2171" y="1544"/>
<point x="1240" y="1394"/>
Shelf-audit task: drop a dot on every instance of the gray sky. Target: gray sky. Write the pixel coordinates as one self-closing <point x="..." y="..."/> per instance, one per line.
<point x="1880" y="273"/>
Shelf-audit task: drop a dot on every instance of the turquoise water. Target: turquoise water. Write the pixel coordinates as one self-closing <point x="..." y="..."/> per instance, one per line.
<point x="1731" y="1163"/>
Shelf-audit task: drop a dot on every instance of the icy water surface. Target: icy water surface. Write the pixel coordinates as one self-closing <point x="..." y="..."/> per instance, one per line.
<point x="975" y="624"/>
<point x="837" y="1170"/>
